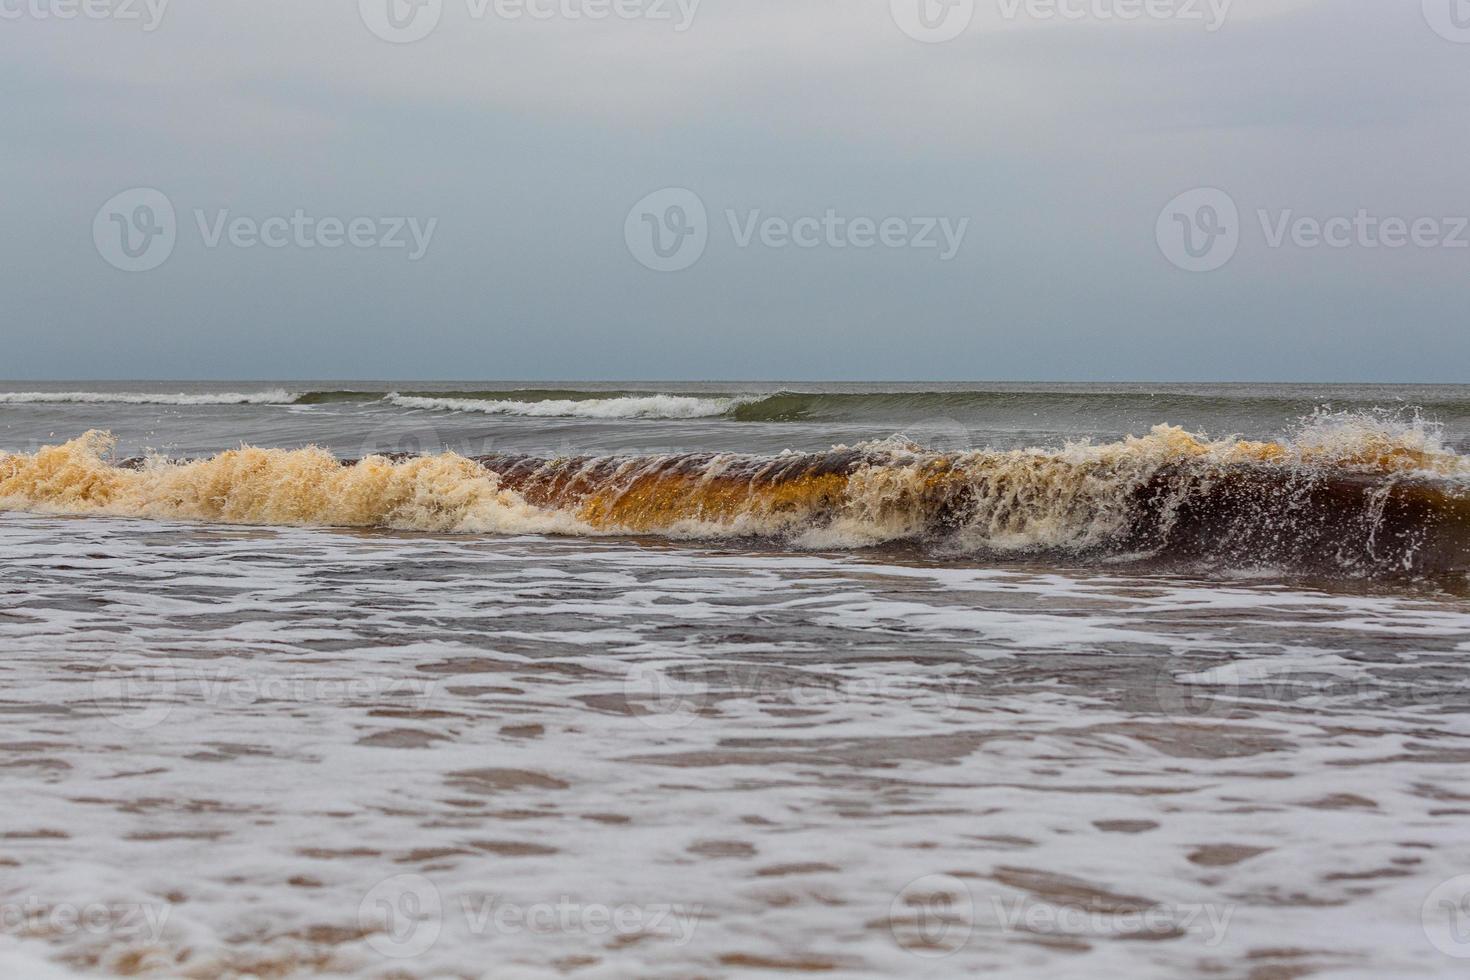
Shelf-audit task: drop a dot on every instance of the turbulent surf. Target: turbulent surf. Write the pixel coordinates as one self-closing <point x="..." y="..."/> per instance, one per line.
<point x="1345" y="496"/>
<point x="1230" y="643"/>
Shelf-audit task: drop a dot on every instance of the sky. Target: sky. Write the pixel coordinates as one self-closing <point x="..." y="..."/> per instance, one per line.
<point x="1100" y="190"/>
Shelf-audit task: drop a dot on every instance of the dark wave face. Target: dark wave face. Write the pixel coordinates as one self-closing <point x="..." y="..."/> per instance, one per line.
<point x="805" y="406"/>
<point x="1234" y="513"/>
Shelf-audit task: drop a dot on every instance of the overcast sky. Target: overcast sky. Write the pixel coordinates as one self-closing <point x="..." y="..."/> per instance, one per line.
<point x="978" y="189"/>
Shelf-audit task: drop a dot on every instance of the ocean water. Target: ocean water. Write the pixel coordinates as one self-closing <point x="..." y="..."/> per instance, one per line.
<point x="673" y="680"/>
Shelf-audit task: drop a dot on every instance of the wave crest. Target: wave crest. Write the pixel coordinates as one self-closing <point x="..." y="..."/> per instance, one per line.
<point x="620" y="407"/>
<point x="445" y="493"/>
<point x="1349" y="494"/>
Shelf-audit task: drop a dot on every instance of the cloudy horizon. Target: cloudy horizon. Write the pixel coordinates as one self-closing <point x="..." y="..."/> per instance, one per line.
<point x="1103" y="190"/>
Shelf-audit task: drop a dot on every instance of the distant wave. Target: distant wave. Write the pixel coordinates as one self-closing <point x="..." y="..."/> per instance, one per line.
<point x="1350" y="494"/>
<point x="275" y="396"/>
<point x="796" y="406"/>
<point x="868" y="406"/>
<point x="619" y="407"/>
<point x="896" y="408"/>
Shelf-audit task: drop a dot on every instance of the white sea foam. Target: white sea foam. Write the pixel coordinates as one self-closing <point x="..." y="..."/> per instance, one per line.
<point x="746" y="758"/>
<point x="274" y="396"/>
<point x="623" y="407"/>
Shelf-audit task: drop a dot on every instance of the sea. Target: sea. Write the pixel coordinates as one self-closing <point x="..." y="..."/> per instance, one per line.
<point x="508" y="679"/>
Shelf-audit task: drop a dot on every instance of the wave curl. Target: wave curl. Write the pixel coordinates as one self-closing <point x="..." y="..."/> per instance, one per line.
<point x="621" y="407"/>
<point x="1347" y="493"/>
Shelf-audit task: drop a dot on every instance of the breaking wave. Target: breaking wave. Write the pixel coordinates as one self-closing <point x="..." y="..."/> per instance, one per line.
<point x="268" y="486"/>
<point x="273" y="397"/>
<point x="622" y="407"/>
<point x="1356" y="494"/>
